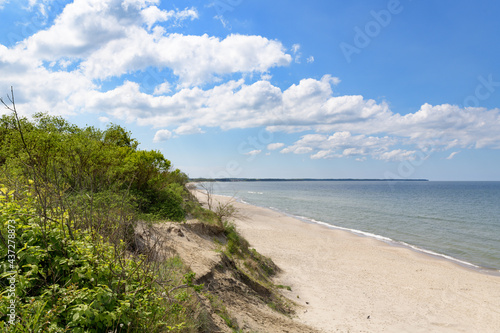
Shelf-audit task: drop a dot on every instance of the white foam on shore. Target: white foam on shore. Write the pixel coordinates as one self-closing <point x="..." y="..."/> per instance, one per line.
<point x="393" y="242"/>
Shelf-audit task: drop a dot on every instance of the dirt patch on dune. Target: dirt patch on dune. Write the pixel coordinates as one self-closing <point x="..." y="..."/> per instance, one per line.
<point x="232" y="299"/>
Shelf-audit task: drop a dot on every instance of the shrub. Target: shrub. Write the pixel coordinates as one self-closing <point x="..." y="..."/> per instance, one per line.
<point x="70" y="160"/>
<point x="75" y="283"/>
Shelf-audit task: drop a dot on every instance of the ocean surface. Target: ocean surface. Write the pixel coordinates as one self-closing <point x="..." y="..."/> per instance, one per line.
<point x="459" y="221"/>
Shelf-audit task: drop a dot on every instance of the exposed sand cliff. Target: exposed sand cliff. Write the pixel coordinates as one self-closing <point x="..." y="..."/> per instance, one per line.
<point x="246" y="300"/>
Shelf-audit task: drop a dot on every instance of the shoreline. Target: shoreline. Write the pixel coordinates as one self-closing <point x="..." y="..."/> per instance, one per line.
<point x="347" y="283"/>
<point x="359" y="233"/>
<point x="389" y="241"/>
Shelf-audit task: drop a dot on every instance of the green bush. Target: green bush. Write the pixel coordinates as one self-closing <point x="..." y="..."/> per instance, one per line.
<point x="78" y="284"/>
<point x="75" y="195"/>
<point x="235" y="243"/>
<point x="87" y="160"/>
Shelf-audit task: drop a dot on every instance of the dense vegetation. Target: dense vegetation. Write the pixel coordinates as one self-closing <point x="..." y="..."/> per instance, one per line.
<point x="70" y="199"/>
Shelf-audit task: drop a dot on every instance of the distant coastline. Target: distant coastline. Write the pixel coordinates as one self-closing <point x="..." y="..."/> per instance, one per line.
<point x="301" y="180"/>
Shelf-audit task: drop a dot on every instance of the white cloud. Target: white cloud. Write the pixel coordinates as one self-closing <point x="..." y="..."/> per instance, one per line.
<point x="95" y="40"/>
<point x="452" y="155"/>
<point x="162" y="135"/>
<point x="104" y="119"/>
<point x="188" y="129"/>
<point x="266" y="77"/>
<point x="138" y="4"/>
<point x="105" y="39"/>
<point x="254" y="152"/>
<point x="274" y="146"/>
<point x="109" y="39"/>
<point x="449" y="126"/>
<point x="344" y="144"/>
<point x="324" y="154"/>
<point x="185" y="14"/>
<point x="3" y="2"/>
<point x="194" y="59"/>
<point x="163" y="88"/>
<point x="223" y="21"/>
<point x="81" y="28"/>
<point x="353" y="121"/>
<point x="153" y="14"/>
<point x="43" y="7"/>
<point x="297" y="54"/>
<point x="310" y="59"/>
<point x="296" y="150"/>
<point x="64" y="63"/>
<point x="40" y="89"/>
<point x="397" y="155"/>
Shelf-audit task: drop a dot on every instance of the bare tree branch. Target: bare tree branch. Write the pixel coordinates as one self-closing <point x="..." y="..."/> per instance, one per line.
<point x="209" y="191"/>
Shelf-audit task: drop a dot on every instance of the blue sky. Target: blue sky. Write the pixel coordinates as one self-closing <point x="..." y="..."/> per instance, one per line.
<point x="240" y="88"/>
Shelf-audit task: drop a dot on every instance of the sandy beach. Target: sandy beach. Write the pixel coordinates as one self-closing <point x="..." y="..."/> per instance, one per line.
<point x="348" y="283"/>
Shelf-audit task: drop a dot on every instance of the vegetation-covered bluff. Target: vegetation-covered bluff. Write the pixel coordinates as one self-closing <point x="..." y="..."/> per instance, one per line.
<point x="94" y="234"/>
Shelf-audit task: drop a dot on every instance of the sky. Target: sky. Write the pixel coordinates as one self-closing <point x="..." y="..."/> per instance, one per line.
<point x="270" y="89"/>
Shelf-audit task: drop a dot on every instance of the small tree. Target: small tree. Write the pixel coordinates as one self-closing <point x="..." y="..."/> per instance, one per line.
<point x="225" y="211"/>
<point x="209" y="191"/>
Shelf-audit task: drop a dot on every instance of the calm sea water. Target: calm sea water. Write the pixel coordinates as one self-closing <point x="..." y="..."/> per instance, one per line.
<point x="456" y="220"/>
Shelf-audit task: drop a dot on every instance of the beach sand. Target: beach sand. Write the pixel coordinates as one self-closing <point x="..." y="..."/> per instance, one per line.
<point x="347" y="283"/>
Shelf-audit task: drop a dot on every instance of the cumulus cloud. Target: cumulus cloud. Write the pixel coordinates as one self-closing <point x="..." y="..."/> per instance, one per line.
<point x="162" y="135"/>
<point x="352" y="121"/>
<point x="109" y="39"/>
<point x="163" y="88"/>
<point x="137" y="4"/>
<point x="153" y="14"/>
<point x="274" y="146"/>
<point x="61" y="70"/>
<point x="93" y="40"/>
<point x="82" y="27"/>
<point x="344" y="144"/>
<point x="194" y="59"/>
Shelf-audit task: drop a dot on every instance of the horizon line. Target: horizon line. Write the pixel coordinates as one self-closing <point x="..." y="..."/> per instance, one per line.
<point x="303" y="179"/>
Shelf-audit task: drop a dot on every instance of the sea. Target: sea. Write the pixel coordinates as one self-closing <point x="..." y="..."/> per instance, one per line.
<point x="457" y="221"/>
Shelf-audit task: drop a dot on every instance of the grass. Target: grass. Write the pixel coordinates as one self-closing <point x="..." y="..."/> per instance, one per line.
<point x="222" y="311"/>
<point x="280" y="286"/>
